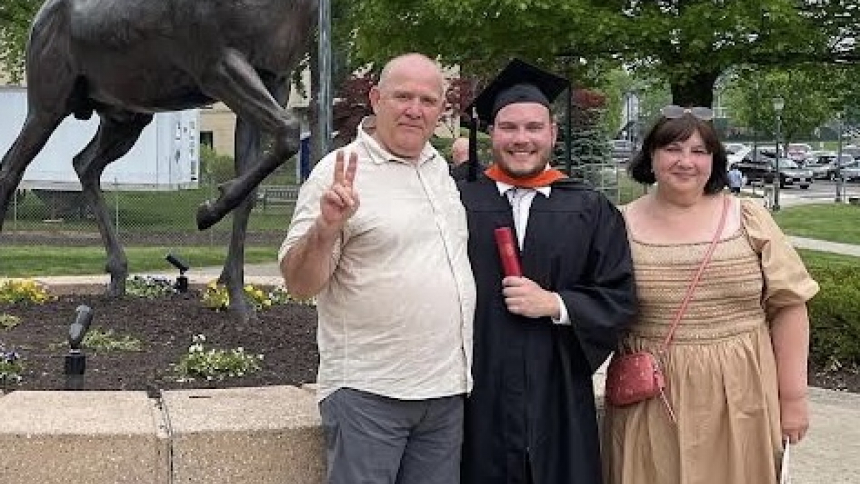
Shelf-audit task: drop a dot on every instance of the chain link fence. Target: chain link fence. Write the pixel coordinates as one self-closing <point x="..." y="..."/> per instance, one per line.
<point x="168" y="218"/>
<point x="141" y="218"/>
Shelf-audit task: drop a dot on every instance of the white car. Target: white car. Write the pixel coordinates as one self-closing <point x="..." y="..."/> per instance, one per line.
<point x="733" y="148"/>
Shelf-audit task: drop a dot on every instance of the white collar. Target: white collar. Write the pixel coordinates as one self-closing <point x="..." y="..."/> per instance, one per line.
<point x="504" y="187"/>
<point x="378" y="154"/>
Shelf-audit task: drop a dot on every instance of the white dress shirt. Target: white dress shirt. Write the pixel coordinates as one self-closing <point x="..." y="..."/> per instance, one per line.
<point x="521" y="203"/>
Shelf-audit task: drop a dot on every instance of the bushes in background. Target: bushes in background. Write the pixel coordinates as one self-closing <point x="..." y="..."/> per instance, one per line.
<point x="834" y="315"/>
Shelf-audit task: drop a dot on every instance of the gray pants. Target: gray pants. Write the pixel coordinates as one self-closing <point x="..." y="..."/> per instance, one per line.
<point x="372" y="439"/>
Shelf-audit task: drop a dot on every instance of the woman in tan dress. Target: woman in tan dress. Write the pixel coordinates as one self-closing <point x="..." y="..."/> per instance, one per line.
<point x="736" y="368"/>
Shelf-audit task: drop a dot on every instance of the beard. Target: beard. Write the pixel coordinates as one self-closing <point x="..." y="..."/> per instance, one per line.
<point x="515" y="170"/>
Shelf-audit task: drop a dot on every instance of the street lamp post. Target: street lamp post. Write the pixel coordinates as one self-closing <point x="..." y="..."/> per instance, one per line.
<point x="778" y="105"/>
<point x="324" y="98"/>
<point x="840" y="188"/>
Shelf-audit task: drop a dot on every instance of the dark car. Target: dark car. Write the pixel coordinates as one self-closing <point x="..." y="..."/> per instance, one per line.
<point x="763" y="171"/>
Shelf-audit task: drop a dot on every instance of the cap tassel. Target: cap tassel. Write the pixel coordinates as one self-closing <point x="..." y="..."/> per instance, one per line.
<point x="472" y="173"/>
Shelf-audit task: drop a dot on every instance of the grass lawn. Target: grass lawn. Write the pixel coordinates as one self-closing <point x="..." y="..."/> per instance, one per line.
<point x="629" y="189"/>
<point x="24" y="261"/>
<point x="833" y="222"/>
<point x="814" y="259"/>
<point x="138" y="212"/>
<point x="826" y="221"/>
<point x="143" y="212"/>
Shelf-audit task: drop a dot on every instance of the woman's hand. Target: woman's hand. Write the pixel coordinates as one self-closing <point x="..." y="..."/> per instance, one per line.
<point x="794" y="417"/>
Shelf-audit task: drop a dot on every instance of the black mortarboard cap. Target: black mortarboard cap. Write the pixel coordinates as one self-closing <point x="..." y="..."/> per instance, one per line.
<point x="518" y="82"/>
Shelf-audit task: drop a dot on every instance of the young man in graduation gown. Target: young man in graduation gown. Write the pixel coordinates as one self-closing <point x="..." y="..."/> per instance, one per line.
<point x="538" y="339"/>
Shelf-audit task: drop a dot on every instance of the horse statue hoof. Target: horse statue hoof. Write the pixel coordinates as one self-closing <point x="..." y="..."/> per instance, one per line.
<point x="206" y="216"/>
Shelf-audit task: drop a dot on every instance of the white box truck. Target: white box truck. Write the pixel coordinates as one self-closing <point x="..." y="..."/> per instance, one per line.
<point x="166" y="157"/>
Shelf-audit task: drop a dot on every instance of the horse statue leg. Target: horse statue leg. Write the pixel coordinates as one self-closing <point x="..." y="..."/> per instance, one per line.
<point x="117" y="134"/>
<point x="248" y="149"/>
<point x="34" y="134"/>
<point x="235" y="82"/>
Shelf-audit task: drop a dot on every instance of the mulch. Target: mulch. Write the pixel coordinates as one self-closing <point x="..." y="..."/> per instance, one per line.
<point x="284" y="334"/>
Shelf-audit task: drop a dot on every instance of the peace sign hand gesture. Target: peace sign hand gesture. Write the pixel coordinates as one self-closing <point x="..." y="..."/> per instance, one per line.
<point x="340" y="201"/>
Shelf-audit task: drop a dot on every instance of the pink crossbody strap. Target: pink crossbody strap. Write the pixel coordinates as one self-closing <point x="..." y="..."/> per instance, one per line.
<point x="695" y="281"/>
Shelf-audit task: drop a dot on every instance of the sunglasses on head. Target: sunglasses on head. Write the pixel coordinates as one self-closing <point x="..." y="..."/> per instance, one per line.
<point x="698" y="112"/>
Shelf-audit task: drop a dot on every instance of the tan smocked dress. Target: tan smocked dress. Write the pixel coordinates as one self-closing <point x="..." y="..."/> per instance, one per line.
<point x="720" y="368"/>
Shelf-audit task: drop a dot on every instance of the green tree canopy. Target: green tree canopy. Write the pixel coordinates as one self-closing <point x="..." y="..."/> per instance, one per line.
<point x="686" y="43"/>
<point x="15" y="18"/>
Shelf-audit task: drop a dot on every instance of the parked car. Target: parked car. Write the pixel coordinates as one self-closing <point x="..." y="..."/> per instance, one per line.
<point x="763" y="170"/>
<point x="820" y="169"/>
<point x="798" y="151"/>
<point x="733" y="148"/>
<point x="814" y="157"/>
<point x="851" y="171"/>
<point x="852" y="150"/>
<point x="760" y="153"/>
<point x="833" y="171"/>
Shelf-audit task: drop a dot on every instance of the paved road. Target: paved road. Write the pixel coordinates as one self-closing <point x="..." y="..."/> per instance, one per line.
<point x="822" y="191"/>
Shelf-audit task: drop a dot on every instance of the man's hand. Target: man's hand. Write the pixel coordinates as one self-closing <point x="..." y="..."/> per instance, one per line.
<point x="308" y="265"/>
<point x="340" y="201"/>
<point x="524" y="297"/>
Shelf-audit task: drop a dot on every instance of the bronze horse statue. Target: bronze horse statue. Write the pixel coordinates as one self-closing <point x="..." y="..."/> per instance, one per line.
<point x="128" y="59"/>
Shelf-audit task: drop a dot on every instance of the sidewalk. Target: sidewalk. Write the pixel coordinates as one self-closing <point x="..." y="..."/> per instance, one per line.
<point x="264" y="273"/>
<point x="830" y="452"/>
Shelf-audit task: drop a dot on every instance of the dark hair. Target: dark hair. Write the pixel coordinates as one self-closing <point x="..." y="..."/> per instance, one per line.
<point x="667" y="131"/>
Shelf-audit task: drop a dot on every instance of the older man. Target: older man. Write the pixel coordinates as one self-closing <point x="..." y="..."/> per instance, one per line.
<point x="459" y="158"/>
<point x="379" y="235"/>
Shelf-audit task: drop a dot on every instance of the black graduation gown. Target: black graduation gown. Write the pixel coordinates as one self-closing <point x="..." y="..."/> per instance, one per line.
<point x="459" y="172"/>
<point x="532" y="406"/>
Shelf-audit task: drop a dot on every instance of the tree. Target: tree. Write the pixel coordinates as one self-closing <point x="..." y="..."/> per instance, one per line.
<point x="353" y="104"/>
<point x="686" y="43"/>
<point x="15" y="18"/>
<point x="812" y="94"/>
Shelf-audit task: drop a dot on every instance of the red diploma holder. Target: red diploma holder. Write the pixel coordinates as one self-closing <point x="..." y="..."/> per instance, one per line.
<point x="507" y="244"/>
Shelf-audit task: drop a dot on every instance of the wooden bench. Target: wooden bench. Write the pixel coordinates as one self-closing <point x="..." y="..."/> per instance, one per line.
<point x="277" y="195"/>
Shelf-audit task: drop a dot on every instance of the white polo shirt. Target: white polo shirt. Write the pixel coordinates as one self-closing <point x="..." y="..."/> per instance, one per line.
<point x="395" y="317"/>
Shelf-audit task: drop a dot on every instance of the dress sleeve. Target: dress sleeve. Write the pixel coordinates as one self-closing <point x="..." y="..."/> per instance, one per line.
<point x="786" y="279"/>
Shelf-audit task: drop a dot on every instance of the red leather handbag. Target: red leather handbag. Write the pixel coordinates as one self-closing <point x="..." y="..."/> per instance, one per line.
<point x="637" y="376"/>
<point x="632" y="378"/>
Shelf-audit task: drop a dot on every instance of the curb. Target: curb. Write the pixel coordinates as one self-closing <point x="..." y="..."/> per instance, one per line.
<point x="263" y="435"/>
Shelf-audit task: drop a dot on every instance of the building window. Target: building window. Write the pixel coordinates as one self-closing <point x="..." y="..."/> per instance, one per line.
<point x="206" y="139"/>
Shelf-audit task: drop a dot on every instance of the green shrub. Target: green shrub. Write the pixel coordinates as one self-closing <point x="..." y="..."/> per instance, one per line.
<point x="98" y="339"/>
<point x="215" y="364"/>
<point x="148" y="287"/>
<point x="835" y="316"/>
<point x="22" y="290"/>
<point x="9" y="321"/>
<point x="217" y="168"/>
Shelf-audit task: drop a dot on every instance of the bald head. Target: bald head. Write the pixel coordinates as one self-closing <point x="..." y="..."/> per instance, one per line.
<point x="408" y="102"/>
<point x="413" y="63"/>
<point x="460" y="150"/>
